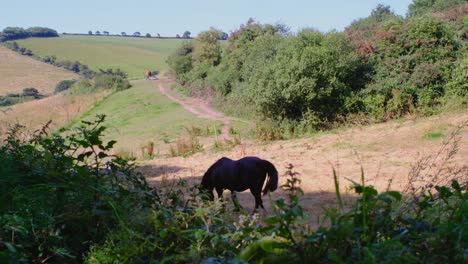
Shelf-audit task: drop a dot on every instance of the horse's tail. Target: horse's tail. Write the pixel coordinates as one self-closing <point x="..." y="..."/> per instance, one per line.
<point x="272" y="182"/>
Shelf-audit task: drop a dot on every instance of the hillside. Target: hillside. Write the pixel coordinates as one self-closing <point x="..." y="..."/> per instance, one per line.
<point x="141" y="114"/>
<point x="132" y="55"/>
<point x="20" y="72"/>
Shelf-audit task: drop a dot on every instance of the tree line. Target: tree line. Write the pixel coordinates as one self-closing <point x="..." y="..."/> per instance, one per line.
<point x="186" y="35"/>
<point x="14" y="33"/>
<point x="380" y="67"/>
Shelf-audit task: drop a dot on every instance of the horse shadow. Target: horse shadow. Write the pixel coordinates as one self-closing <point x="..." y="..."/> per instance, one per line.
<point x="153" y="173"/>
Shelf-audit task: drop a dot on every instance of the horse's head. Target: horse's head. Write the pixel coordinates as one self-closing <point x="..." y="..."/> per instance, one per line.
<point x="206" y="187"/>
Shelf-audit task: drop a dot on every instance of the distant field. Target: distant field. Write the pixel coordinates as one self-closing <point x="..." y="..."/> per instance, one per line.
<point x="18" y="72"/>
<point x="132" y="55"/>
<point x="141" y="114"/>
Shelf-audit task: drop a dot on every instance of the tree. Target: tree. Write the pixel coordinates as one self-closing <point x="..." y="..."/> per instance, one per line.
<point x="31" y="92"/>
<point x="98" y="32"/>
<point x="177" y="36"/>
<point x="158" y="35"/>
<point x="105" y="33"/>
<point x="123" y="33"/>
<point x="207" y="49"/>
<point x="186" y="34"/>
<point x="148" y="35"/>
<point x="136" y="34"/>
<point x="90" y="32"/>
<point x="379" y="14"/>
<point x="421" y="7"/>
<point x="181" y="60"/>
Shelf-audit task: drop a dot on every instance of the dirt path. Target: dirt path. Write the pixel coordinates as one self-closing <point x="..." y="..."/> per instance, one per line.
<point x="200" y="108"/>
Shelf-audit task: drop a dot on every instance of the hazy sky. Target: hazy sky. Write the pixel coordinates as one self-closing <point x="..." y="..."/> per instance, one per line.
<point x="170" y="17"/>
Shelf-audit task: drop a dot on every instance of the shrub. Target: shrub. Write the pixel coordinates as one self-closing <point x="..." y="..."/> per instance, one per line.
<point x="60" y="195"/>
<point x="109" y="81"/>
<point x="63" y="85"/>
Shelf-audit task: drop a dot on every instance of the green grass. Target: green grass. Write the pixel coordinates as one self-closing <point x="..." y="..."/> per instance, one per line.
<point x="142" y="113"/>
<point x="132" y="55"/>
<point x="436" y="132"/>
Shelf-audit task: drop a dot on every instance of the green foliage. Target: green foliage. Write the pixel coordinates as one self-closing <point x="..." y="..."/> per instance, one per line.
<point x="63" y="85"/>
<point x="378" y="15"/>
<point x="207" y="49"/>
<point x="13" y="33"/>
<point x="28" y="94"/>
<point x="421" y="7"/>
<point x="412" y="66"/>
<point x="111" y="79"/>
<point x="457" y="87"/>
<point x="181" y="60"/>
<point x="60" y="194"/>
<point x="311" y="74"/>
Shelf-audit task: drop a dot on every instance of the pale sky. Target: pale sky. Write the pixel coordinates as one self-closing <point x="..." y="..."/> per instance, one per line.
<point x="172" y="17"/>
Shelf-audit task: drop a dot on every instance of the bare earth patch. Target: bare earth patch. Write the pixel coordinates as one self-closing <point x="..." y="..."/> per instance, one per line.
<point x="18" y="72"/>
<point x="200" y="108"/>
<point x="385" y="151"/>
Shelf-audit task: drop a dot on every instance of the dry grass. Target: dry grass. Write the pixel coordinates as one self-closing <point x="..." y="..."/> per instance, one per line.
<point x="34" y="114"/>
<point x="185" y="147"/>
<point x="396" y="147"/>
<point x="18" y="72"/>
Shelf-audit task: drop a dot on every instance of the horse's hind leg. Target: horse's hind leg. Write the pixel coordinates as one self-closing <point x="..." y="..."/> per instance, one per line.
<point x="237" y="205"/>
<point x="258" y="199"/>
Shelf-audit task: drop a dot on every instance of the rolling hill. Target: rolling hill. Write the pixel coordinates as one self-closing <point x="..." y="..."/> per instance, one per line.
<point x="132" y="55"/>
<point x="18" y="72"/>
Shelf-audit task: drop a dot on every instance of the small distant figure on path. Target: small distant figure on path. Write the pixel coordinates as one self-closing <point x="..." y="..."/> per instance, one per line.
<point x="148" y="74"/>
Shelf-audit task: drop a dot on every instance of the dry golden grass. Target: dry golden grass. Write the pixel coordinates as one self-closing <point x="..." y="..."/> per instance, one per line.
<point x="34" y="114"/>
<point x="18" y="72"/>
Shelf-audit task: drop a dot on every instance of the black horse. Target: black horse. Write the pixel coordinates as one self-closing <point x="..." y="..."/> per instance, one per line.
<point x="238" y="176"/>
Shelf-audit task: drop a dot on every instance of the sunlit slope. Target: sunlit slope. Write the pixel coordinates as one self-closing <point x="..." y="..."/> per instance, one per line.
<point x="141" y="114"/>
<point x="18" y="72"/>
<point x="132" y="55"/>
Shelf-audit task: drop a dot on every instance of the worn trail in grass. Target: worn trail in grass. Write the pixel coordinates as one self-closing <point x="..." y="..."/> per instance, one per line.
<point x="141" y="114"/>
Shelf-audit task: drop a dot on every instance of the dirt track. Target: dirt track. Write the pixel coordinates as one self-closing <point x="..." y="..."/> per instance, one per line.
<point x="200" y="108"/>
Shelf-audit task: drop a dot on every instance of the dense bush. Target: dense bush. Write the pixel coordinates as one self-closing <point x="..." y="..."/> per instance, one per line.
<point x="13" y="33"/>
<point x="412" y="66"/>
<point x="60" y="195"/>
<point x="111" y="79"/>
<point x="63" y="85"/>
<point x="28" y="94"/>
<point x="384" y="66"/>
<point x="421" y="7"/>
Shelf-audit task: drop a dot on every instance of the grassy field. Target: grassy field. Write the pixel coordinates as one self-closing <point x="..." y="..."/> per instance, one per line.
<point x="132" y="55"/>
<point x="141" y="114"/>
<point x="18" y="72"/>
<point x="134" y="116"/>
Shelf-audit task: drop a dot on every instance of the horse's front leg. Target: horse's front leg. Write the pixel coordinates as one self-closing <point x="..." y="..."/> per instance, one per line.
<point x="237" y="205"/>
<point x="220" y="193"/>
